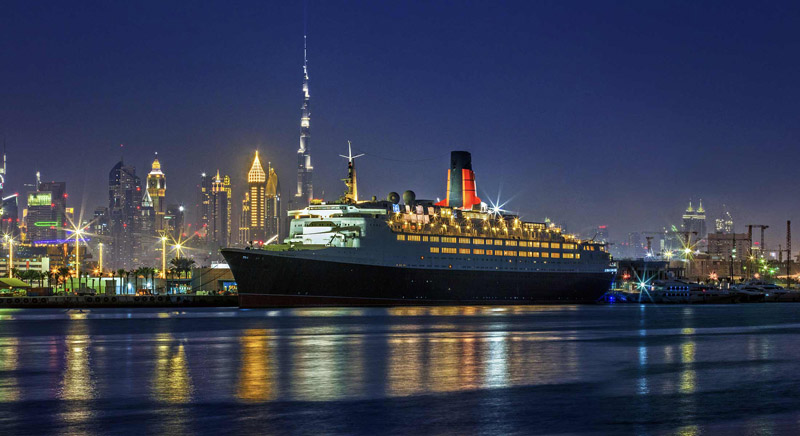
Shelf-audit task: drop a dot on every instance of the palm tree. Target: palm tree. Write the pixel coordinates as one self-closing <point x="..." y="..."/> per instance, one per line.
<point x="182" y="264"/>
<point x="122" y="275"/>
<point x="63" y="272"/>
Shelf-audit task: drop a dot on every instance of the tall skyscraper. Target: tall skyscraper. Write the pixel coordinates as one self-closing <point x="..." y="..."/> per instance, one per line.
<point x="244" y="221"/>
<point x="305" y="186"/>
<point x="203" y="207"/>
<point x="47" y="209"/>
<point x="10" y="220"/>
<point x="694" y="223"/>
<point x="124" y="201"/>
<point x="147" y="231"/>
<point x="173" y="221"/>
<point x="228" y="188"/>
<point x="724" y="224"/>
<point x="157" y="188"/>
<point x="218" y="230"/>
<point x="257" y="201"/>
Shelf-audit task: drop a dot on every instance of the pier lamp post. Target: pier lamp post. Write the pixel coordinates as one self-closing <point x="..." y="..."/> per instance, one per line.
<point x="163" y="256"/>
<point x="178" y="247"/>
<point x="100" y="262"/>
<point x="78" y="233"/>
<point x="10" y="242"/>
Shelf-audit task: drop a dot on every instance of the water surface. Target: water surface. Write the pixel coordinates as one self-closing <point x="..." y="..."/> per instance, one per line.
<point x="685" y="370"/>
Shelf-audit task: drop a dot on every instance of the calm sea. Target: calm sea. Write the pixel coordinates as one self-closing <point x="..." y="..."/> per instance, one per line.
<point x="687" y="370"/>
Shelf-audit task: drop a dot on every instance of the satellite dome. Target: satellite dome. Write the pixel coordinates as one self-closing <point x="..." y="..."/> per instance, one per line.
<point x="393" y="197"/>
<point x="409" y="197"/>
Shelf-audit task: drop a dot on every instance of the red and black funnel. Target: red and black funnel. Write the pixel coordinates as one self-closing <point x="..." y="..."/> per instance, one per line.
<point x="461" y="191"/>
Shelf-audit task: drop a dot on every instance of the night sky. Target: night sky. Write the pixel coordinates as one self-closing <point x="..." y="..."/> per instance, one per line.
<point x="590" y="113"/>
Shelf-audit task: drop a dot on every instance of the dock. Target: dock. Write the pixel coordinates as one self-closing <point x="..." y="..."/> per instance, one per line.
<point x="119" y="301"/>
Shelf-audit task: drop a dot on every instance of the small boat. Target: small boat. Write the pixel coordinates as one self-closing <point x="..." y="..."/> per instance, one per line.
<point x="682" y="292"/>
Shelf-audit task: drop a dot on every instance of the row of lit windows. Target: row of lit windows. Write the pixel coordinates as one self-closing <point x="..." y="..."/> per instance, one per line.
<point x="477" y="241"/>
<point x="512" y="253"/>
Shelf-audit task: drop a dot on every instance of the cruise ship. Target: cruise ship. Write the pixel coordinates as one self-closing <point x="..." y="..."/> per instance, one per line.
<point x="404" y="251"/>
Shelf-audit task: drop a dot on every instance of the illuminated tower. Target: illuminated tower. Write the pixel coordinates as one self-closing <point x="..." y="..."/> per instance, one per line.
<point x="257" y="201"/>
<point x="305" y="186"/>
<point x="157" y="188"/>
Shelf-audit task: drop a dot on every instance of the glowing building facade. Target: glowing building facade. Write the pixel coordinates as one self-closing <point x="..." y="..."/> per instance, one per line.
<point x="218" y="223"/>
<point x="125" y="197"/>
<point x="694" y="223"/>
<point x="257" y="201"/>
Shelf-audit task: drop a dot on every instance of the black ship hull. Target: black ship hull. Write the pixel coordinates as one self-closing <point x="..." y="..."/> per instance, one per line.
<point x="268" y="280"/>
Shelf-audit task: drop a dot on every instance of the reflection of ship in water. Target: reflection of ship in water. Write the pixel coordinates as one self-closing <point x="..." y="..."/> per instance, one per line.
<point x="456" y="251"/>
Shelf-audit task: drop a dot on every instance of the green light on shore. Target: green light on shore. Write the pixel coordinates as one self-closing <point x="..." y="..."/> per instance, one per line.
<point x="46" y="223"/>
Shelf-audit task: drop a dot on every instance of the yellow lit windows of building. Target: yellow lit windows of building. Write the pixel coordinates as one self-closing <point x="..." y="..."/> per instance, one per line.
<point x="477" y="251"/>
<point x="555" y="255"/>
<point x="424" y="239"/>
<point x="477" y="241"/>
<point x="535" y="254"/>
<point x="545" y="254"/>
<point x="498" y="252"/>
<point x="434" y="249"/>
<point x="434" y="239"/>
<point x="401" y="237"/>
<point x="510" y="253"/>
<point x="523" y="254"/>
<point x="577" y="256"/>
<point x="463" y="240"/>
<point x="463" y="251"/>
<point x="415" y="238"/>
<point x="449" y="250"/>
<point x="511" y="243"/>
<point x="535" y="245"/>
<point x="489" y="252"/>
<point x="555" y="245"/>
<point x="569" y="246"/>
<point x="449" y="240"/>
<point x="569" y="256"/>
<point x="545" y="245"/>
<point x="498" y="242"/>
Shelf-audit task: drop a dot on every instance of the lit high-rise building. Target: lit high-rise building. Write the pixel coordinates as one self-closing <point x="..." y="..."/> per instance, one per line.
<point x="203" y="206"/>
<point x="157" y="188"/>
<point x="305" y="185"/>
<point x="694" y="223"/>
<point x="724" y="224"/>
<point x="174" y="220"/>
<point x="217" y="229"/>
<point x="257" y="201"/>
<point x="244" y="221"/>
<point x="47" y="213"/>
<point x="124" y="202"/>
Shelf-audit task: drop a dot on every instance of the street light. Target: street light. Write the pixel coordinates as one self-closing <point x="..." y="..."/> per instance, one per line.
<point x="163" y="257"/>
<point x="10" y="242"/>
<point x="100" y="246"/>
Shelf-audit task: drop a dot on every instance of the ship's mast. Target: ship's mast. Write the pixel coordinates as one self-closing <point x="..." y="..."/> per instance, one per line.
<point x="351" y="196"/>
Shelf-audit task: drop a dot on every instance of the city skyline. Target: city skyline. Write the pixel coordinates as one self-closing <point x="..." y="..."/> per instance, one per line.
<point x="662" y="139"/>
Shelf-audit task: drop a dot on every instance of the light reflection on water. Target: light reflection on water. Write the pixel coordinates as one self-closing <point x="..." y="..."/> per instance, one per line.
<point x="628" y="364"/>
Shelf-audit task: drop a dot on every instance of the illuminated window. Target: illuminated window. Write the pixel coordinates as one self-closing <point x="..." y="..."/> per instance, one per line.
<point x="555" y="255"/>
<point x="569" y="246"/>
<point x="449" y="250"/>
<point x="533" y="254"/>
<point x="511" y="243"/>
<point x="555" y="245"/>
<point x="577" y="256"/>
<point x="545" y="254"/>
<point x="477" y="241"/>
<point x="415" y="238"/>
<point x="434" y="249"/>
<point x="477" y="251"/>
<point x="449" y="240"/>
<point x="523" y="254"/>
<point x="463" y="240"/>
<point x="498" y="242"/>
<point x="401" y="237"/>
<point x="545" y="244"/>
<point x="498" y="252"/>
<point x="510" y="253"/>
<point x="463" y="251"/>
<point x="569" y="256"/>
<point x="489" y="252"/>
<point x="424" y="239"/>
<point x="535" y="245"/>
<point x="434" y="239"/>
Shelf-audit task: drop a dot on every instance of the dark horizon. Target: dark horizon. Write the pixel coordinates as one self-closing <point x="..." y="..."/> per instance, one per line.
<point x="587" y="113"/>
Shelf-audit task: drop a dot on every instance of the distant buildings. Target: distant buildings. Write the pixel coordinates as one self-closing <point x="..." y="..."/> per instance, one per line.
<point x="724" y="224"/>
<point x="305" y="171"/>
<point x="217" y="228"/>
<point x="174" y="221"/>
